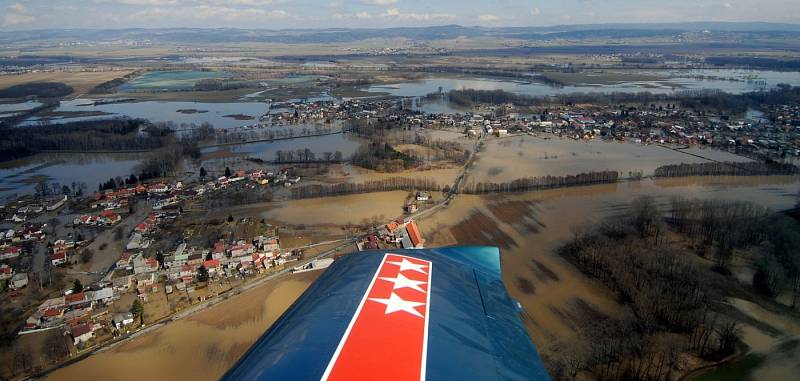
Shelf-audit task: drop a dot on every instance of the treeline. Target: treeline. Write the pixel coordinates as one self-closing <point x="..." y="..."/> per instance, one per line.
<point x="38" y="89"/>
<point x="443" y="149"/>
<point x="216" y="84"/>
<point x="714" y="100"/>
<point x="305" y="155"/>
<point x="760" y="62"/>
<point x="391" y="184"/>
<point x="112" y="135"/>
<point x="668" y="303"/>
<point x="469" y="97"/>
<point x="726" y="169"/>
<point x="109" y="86"/>
<point x="542" y="182"/>
<point x="382" y="157"/>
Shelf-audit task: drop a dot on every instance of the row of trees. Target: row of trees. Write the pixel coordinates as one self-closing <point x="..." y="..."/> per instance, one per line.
<point x="726" y="169"/>
<point x="382" y="157"/>
<point x="107" y="135"/>
<point x="305" y="155"/>
<point x="542" y="182"/>
<point x="710" y="99"/>
<point x="391" y="184"/>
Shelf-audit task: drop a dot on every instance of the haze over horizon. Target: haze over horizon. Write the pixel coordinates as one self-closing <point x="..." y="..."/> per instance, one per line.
<point x="312" y="14"/>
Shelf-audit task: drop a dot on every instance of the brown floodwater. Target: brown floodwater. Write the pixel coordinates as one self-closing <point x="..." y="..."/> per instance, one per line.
<point x="510" y="158"/>
<point x="554" y="294"/>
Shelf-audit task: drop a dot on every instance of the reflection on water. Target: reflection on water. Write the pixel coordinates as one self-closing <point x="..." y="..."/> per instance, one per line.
<point x="733" y="81"/>
<point x="317" y="144"/>
<point x="20" y="177"/>
<point x="160" y="111"/>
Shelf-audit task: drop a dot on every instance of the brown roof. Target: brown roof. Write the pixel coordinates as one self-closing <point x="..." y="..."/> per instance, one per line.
<point x="413" y="233"/>
<point x="81" y="329"/>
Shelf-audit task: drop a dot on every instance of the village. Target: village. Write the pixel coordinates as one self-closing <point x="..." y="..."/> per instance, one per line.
<point x="151" y="278"/>
<point x="96" y="268"/>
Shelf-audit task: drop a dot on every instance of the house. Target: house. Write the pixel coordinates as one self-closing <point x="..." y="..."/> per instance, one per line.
<point x="109" y="218"/>
<point x="423" y="196"/>
<point x="122" y="283"/>
<point x="103" y="295"/>
<point x="6" y="272"/>
<point x="59" y="258"/>
<point x="241" y="250"/>
<point x="82" y="333"/>
<point x="122" y="319"/>
<point x="78" y="300"/>
<point x="10" y="252"/>
<point x="142" y="265"/>
<point x="414" y="235"/>
<point x="124" y="261"/>
<point x="158" y="188"/>
<point x="18" y="280"/>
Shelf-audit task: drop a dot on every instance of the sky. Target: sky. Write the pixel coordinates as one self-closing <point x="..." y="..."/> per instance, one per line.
<point x="282" y="14"/>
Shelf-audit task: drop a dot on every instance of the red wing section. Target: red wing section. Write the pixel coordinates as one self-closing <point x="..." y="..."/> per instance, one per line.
<point x="387" y="337"/>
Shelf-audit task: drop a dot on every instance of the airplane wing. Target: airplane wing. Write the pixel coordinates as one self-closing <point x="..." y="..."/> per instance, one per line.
<point x="435" y="314"/>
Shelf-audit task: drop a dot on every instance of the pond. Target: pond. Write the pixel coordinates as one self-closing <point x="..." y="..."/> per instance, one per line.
<point x="11" y="109"/>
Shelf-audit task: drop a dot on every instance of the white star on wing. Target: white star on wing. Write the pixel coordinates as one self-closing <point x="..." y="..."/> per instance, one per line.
<point x="401" y="281"/>
<point x="396" y="303"/>
<point x="408" y="265"/>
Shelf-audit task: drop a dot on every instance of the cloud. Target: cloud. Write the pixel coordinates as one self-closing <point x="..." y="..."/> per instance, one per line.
<point x="379" y="2"/>
<point x="535" y="11"/>
<point x="488" y="18"/>
<point x="19" y="8"/>
<point x="727" y="5"/>
<point x="394" y="13"/>
<point x="11" y="19"/>
<point x="206" y="12"/>
<point x="359" y="15"/>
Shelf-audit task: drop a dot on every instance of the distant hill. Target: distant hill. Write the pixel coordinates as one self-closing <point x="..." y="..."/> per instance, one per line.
<point x="300" y="36"/>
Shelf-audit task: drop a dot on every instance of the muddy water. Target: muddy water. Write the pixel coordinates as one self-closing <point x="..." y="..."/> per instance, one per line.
<point x="781" y="350"/>
<point x="201" y="347"/>
<point x="553" y="156"/>
<point x="553" y="293"/>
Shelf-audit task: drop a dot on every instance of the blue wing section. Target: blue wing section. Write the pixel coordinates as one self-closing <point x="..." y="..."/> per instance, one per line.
<point x="474" y="333"/>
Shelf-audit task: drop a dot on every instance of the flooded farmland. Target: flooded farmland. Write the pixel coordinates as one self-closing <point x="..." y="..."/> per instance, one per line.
<point x="734" y="81"/>
<point x="20" y="176"/>
<point x="507" y="159"/>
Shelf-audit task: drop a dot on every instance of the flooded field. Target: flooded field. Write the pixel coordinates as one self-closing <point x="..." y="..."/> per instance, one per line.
<point x="201" y="347"/>
<point x="159" y="111"/>
<point x="267" y="151"/>
<point x="169" y="80"/>
<point x="11" y="109"/>
<point x="734" y="81"/>
<point x="555" y="294"/>
<point x="507" y="159"/>
<point x="338" y="210"/>
<point x="20" y="176"/>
